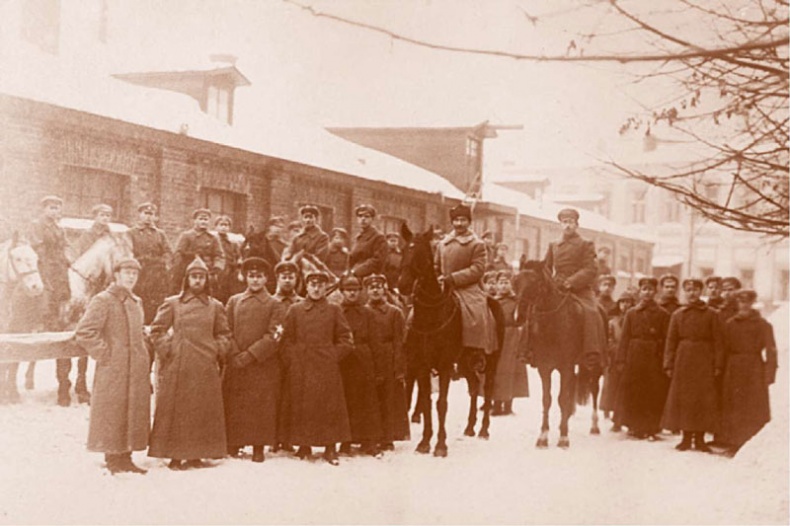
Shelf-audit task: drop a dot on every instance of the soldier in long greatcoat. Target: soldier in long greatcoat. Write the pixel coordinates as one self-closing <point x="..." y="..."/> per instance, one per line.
<point x="253" y="375"/>
<point x="370" y="246"/>
<point x="611" y="376"/>
<point x="316" y="338"/>
<point x="311" y="241"/>
<point x="747" y="374"/>
<point x="151" y="248"/>
<point x="572" y="263"/>
<point x="48" y="239"/>
<point x="197" y="241"/>
<point x="606" y="285"/>
<point x="693" y="358"/>
<point x="189" y="422"/>
<point x="643" y="384"/>
<point x="389" y="361"/>
<point x="359" y="372"/>
<point x="111" y="332"/>
<point x="511" y="374"/>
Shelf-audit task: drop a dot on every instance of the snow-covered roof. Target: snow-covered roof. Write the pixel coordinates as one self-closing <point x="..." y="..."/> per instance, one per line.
<point x="77" y="89"/>
<point x="547" y="210"/>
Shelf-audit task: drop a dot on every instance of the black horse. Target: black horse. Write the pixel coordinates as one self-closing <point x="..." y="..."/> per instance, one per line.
<point x="433" y="344"/>
<point x="554" y="343"/>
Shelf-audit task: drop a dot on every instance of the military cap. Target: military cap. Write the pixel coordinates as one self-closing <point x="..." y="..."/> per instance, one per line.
<point x="627" y="295"/>
<point x="197" y="265"/>
<point x="712" y="279"/>
<point x="253" y="263"/>
<point x="285" y="266"/>
<point x="732" y="280"/>
<point x="101" y="208"/>
<point x="693" y="282"/>
<point x="667" y="277"/>
<point x="373" y="279"/>
<point x="649" y="280"/>
<point x="275" y="221"/>
<point x="146" y="207"/>
<point x="201" y="211"/>
<point x="746" y="295"/>
<point x="393" y="235"/>
<point x="350" y="282"/>
<point x="309" y="209"/>
<point x="338" y="230"/>
<point x="223" y="219"/>
<point x="365" y="209"/>
<point x="47" y="199"/>
<point x="608" y="278"/>
<point x="568" y="213"/>
<point x="127" y="263"/>
<point x="316" y="275"/>
<point x="461" y="210"/>
<point x="489" y="276"/>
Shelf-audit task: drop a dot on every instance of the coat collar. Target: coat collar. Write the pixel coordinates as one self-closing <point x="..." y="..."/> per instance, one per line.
<point x="311" y="304"/>
<point x="369" y="232"/>
<point x="380" y="306"/>
<point x="699" y="305"/>
<point x="464" y="239"/>
<point x="753" y="314"/>
<point x="188" y="296"/>
<point x="119" y="292"/>
<point x="645" y="304"/>
<point x="572" y="238"/>
<point x="261" y="296"/>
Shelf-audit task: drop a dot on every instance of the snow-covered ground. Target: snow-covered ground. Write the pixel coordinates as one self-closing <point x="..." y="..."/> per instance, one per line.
<point x="48" y="477"/>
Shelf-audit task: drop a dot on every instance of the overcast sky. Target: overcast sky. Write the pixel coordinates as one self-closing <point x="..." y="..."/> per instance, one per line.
<point x="306" y="69"/>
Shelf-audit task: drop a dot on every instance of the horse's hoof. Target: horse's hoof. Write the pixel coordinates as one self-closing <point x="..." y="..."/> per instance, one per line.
<point x="483" y="434"/>
<point x="564" y="443"/>
<point x="542" y="443"/>
<point x="423" y="448"/>
<point x="440" y="451"/>
<point x="415" y="418"/>
<point x="30" y="384"/>
<point x="469" y="431"/>
<point x="595" y="431"/>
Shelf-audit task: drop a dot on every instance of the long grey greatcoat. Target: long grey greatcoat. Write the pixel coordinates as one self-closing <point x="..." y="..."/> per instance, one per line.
<point x="316" y="338"/>
<point x="312" y="240"/>
<point x="390" y="364"/>
<point x="189" y="421"/>
<point x="252" y="393"/>
<point x="611" y="376"/>
<point x="643" y="384"/>
<point x="368" y="253"/>
<point x="694" y="350"/>
<point x="284" y="411"/>
<point x="359" y="377"/>
<point x="511" y="375"/>
<point x="111" y="331"/>
<point x="747" y="375"/>
<point x="463" y="258"/>
<point x="573" y="259"/>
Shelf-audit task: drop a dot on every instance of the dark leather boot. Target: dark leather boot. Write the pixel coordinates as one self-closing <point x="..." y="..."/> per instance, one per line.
<point x="176" y="465"/>
<point x="130" y="467"/>
<point x="113" y="462"/>
<point x="508" y="408"/>
<point x="304" y="452"/>
<point x="330" y="455"/>
<point x="685" y="444"/>
<point x="699" y="443"/>
<point x="257" y="454"/>
<point x="345" y="448"/>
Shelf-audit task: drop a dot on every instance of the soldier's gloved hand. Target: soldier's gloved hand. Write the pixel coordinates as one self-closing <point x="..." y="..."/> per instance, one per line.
<point x="243" y="359"/>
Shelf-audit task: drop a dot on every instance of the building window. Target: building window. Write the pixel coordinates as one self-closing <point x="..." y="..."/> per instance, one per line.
<point x="218" y="103"/>
<point x="747" y="277"/>
<point x="640" y="265"/>
<point x="624" y="264"/>
<point x="638" y="207"/>
<point x="223" y="202"/>
<point x="83" y="188"/>
<point x="391" y="224"/>
<point x="672" y="211"/>
<point x="41" y="24"/>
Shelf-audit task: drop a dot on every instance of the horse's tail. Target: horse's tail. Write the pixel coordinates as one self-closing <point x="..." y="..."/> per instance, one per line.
<point x="584" y="385"/>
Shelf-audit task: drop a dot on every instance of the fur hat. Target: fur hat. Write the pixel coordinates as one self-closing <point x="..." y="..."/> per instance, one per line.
<point x="461" y="210"/>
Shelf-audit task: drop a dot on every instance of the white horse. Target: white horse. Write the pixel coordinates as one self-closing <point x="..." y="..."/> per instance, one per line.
<point x="22" y="301"/>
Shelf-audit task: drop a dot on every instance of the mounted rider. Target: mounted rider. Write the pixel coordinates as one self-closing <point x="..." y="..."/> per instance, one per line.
<point x="571" y="262"/>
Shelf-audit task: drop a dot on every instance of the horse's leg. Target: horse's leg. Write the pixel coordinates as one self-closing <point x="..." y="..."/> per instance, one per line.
<point x="492" y="360"/>
<point x="441" y="406"/>
<point x="417" y="410"/>
<point x="30" y="376"/>
<point x="545" y="384"/>
<point x="81" y="386"/>
<point x="566" y="401"/>
<point x="3" y="382"/>
<point x="423" y="391"/>
<point x="594" y="390"/>
<point x="11" y="389"/>
<point x="473" y="384"/>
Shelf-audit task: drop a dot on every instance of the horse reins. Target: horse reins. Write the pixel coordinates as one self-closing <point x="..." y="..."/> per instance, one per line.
<point x="441" y="302"/>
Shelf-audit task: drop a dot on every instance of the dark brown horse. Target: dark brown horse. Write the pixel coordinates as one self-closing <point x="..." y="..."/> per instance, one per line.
<point x="433" y="343"/>
<point x="554" y="343"/>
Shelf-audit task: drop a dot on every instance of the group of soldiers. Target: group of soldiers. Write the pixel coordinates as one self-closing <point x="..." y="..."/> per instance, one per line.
<point x="296" y="369"/>
<point x="694" y="366"/>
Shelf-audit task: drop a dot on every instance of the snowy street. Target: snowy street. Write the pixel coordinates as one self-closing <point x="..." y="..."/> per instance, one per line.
<point x="48" y="477"/>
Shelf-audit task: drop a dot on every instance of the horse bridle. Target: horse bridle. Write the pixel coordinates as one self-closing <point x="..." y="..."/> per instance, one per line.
<point x="441" y="302"/>
<point x="16" y="271"/>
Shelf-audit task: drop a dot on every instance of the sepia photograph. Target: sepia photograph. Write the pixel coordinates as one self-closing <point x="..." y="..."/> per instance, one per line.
<point x="394" y="262"/>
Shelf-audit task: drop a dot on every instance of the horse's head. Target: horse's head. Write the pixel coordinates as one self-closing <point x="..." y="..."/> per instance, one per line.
<point x="417" y="262"/>
<point x="22" y="265"/>
<point x="531" y="284"/>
